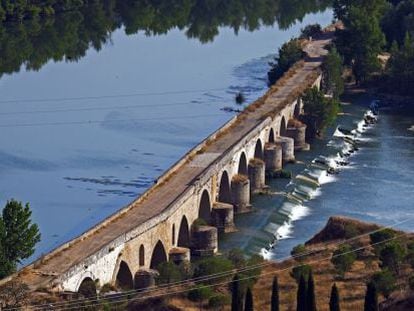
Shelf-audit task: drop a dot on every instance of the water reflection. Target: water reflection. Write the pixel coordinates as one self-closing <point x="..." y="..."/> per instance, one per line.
<point x="67" y="37"/>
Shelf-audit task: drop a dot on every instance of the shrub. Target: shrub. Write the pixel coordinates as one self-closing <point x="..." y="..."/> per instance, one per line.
<point x="218" y="301"/>
<point x="200" y="293"/>
<point x="320" y="111"/>
<point x="169" y="272"/>
<point x="106" y="288"/>
<point x="299" y="271"/>
<point x="343" y="258"/>
<point x="198" y="223"/>
<point x="252" y="274"/>
<point x="311" y="31"/>
<point x="289" y="54"/>
<point x="298" y="252"/>
<point x="391" y="256"/>
<point x="213" y="265"/>
<point x="379" y="237"/>
<point x="384" y="282"/>
<point x="236" y="256"/>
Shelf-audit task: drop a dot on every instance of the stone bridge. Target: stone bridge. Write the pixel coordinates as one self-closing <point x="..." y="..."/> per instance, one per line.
<point x="213" y="182"/>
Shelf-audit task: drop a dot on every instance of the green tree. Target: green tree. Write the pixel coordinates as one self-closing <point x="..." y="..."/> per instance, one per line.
<point x="274" y="301"/>
<point x="200" y="293"/>
<point x="213" y="265"/>
<point x="319" y="111"/>
<point x="169" y="272"/>
<point x="298" y="252"/>
<point x="301" y="300"/>
<point x="362" y="39"/>
<point x="236" y="295"/>
<point x="371" y="298"/>
<point x="310" y="294"/>
<point x="384" y="281"/>
<point x="343" y="258"/>
<point x="18" y="236"/>
<point x="218" y="301"/>
<point x="332" y="82"/>
<point x="400" y="69"/>
<point x="312" y="30"/>
<point x="236" y="256"/>
<point x="299" y="271"/>
<point x="378" y="238"/>
<point x="334" y="302"/>
<point x="289" y="53"/>
<point x="391" y="256"/>
<point x="248" y="302"/>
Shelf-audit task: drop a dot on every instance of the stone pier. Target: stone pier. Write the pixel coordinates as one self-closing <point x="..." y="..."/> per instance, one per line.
<point x="288" y="148"/>
<point x="223" y="217"/>
<point x="240" y="187"/>
<point x="273" y="157"/>
<point x="257" y="175"/>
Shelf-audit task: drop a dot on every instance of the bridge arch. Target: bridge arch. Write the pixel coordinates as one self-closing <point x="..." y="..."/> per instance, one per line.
<point x="204" y="208"/>
<point x="242" y="164"/>
<point x="296" y="112"/>
<point x="271" y="136"/>
<point x="184" y="233"/>
<point x="159" y="255"/>
<point x="224" y="188"/>
<point x="87" y="288"/>
<point x="141" y="259"/>
<point x="173" y="234"/>
<point x="258" y="150"/>
<point x="124" y="278"/>
<point x="283" y="127"/>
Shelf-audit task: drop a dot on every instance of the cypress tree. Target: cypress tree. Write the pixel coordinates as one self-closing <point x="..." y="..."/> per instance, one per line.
<point x="310" y="296"/>
<point x="248" y="303"/>
<point x="236" y="299"/>
<point x="371" y="298"/>
<point x="334" y="301"/>
<point x="275" y="295"/>
<point x="301" y="295"/>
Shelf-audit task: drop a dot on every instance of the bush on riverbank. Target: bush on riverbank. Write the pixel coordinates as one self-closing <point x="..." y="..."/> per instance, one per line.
<point x="312" y="30"/>
<point x="288" y="54"/>
<point x="319" y="112"/>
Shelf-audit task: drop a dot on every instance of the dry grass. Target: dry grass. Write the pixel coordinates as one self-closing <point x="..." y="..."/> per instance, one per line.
<point x="351" y="288"/>
<point x="295" y="123"/>
<point x="239" y="178"/>
<point x="256" y="162"/>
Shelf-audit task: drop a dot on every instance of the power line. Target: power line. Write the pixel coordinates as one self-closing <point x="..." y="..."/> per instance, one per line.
<point x="241" y="279"/>
<point x="81" y="98"/>
<point x="93" y="108"/>
<point x="221" y="274"/>
<point x="102" y="121"/>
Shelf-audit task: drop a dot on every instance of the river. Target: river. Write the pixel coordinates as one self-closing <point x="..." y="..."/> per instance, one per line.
<point x="96" y="104"/>
<point x="376" y="185"/>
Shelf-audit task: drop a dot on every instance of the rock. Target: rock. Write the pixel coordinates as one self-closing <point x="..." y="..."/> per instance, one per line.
<point x="338" y="228"/>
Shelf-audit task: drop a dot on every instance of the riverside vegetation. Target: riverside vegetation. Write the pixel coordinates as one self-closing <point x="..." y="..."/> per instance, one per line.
<point x="374" y="27"/>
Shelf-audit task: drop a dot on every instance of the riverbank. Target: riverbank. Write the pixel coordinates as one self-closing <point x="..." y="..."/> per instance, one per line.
<point x="319" y="250"/>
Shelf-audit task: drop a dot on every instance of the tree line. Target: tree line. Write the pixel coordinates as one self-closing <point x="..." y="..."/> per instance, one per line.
<point x="374" y="27"/>
<point x="32" y="40"/>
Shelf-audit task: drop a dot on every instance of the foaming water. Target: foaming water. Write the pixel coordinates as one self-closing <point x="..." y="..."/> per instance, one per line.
<point x="284" y="209"/>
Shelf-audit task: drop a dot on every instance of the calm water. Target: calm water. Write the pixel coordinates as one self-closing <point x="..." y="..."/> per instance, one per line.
<point x="90" y="116"/>
<point x="377" y="186"/>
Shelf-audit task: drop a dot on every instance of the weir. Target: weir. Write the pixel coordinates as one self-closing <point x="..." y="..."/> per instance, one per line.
<point x="193" y="202"/>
